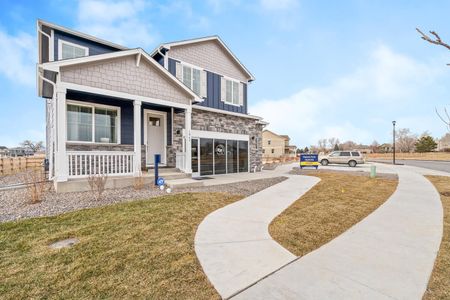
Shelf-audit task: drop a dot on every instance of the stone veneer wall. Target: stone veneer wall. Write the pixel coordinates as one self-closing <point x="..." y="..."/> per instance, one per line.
<point x="217" y="122"/>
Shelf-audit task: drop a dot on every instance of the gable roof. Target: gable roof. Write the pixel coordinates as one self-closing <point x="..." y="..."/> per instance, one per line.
<point x="138" y="52"/>
<point x="204" y="39"/>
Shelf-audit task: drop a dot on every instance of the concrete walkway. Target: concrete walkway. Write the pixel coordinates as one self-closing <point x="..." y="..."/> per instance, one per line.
<point x="233" y="244"/>
<point x="388" y="255"/>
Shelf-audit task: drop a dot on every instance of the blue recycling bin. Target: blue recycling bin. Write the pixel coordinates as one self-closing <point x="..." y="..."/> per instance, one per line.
<point x="157" y="161"/>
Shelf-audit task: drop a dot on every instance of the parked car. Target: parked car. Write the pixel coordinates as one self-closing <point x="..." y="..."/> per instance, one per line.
<point x="352" y="158"/>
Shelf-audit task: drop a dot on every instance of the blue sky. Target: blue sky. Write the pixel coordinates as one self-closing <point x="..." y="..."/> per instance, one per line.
<point x="323" y="69"/>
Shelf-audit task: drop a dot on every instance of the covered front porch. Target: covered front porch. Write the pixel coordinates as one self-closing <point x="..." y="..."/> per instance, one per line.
<point x="102" y="132"/>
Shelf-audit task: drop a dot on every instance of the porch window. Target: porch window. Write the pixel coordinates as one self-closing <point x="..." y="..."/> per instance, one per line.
<point x="191" y="78"/>
<point x="92" y="123"/>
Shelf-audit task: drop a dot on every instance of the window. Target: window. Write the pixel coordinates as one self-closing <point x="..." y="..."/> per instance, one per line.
<point x="231" y="92"/>
<point x="191" y="78"/>
<point x="273" y="151"/>
<point x="67" y="50"/>
<point x="355" y="154"/>
<point x="269" y="142"/>
<point x="345" y="154"/>
<point x="92" y="123"/>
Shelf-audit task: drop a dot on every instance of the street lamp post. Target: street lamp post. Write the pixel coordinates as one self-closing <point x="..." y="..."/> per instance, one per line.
<point x="393" y="142"/>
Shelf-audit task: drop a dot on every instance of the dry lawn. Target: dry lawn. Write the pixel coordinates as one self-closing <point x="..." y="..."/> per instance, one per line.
<point x="439" y="284"/>
<point x="331" y="207"/>
<point x="142" y="249"/>
<point x="417" y="156"/>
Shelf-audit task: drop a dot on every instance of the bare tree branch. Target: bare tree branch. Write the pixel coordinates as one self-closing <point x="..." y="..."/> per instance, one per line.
<point x="446" y="122"/>
<point x="436" y="41"/>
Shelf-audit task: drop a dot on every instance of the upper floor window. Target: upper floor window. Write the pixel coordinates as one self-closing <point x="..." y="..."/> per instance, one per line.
<point x="67" y="50"/>
<point x="191" y="78"/>
<point x="232" y="92"/>
<point x="269" y="142"/>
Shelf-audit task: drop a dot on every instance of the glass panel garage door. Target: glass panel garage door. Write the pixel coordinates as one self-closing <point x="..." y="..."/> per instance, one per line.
<point x="219" y="156"/>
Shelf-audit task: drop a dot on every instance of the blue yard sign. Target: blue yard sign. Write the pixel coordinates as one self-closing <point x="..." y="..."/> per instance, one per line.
<point x="309" y="160"/>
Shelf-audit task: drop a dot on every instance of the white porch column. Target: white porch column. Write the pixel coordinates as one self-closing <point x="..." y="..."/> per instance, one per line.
<point x="188" y="148"/>
<point x="61" y="161"/>
<point x="137" y="136"/>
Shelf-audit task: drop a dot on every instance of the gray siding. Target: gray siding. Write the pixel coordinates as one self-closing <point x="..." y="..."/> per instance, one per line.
<point x="213" y="92"/>
<point x="94" y="48"/>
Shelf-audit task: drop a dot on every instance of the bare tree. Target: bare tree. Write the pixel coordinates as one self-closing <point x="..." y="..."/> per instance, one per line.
<point x="436" y="40"/>
<point x="322" y="144"/>
<point x="405" y="140"/>
<point x="333" y="142"/>
<point x="34" y="146"/>
<point x="348" y="145"/>
<point x="375" y="146"/>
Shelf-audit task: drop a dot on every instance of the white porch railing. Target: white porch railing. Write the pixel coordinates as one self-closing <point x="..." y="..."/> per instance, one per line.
<point x="179" y="161"/>
<point x="86" y="163"/>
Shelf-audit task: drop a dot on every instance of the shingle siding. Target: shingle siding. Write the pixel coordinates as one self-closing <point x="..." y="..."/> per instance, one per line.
<point x="122" y="75"/>
<point x="209" y="55"/>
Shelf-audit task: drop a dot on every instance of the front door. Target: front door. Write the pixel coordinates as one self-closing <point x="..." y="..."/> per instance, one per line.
<point x="155" y="137"/>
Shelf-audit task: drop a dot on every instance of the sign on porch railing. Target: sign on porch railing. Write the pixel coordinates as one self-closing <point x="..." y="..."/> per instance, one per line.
<point x="84" y="164"/>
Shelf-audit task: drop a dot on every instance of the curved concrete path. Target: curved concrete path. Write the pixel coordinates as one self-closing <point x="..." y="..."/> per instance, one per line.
<point x="233" y="244"/>
<point x="388" y="255"/>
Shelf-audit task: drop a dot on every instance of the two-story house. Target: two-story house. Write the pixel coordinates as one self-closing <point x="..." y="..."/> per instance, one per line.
<point x="277" y="145"/>
<point x="110" y="109"/>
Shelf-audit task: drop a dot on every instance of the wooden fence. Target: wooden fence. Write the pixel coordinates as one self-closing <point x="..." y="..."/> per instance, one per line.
<point x="13" y="165"/>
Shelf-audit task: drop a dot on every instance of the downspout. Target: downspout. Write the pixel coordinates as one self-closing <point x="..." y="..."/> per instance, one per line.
<point x="51" y="173"/>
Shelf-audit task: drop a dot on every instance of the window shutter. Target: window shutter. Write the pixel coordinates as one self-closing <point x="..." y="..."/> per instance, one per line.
<point x="178" y="71"/>
<point x="203" y="93"/>
<point x="223" y="89"/>
<point x="241" y="93"/>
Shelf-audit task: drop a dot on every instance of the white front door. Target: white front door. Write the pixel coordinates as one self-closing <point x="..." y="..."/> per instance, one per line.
<point x="156" y="137"/>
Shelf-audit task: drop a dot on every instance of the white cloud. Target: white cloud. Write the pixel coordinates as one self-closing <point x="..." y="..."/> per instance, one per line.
<point x="370" y="96"/>
<point x="122" y="22"/>
<point x="184" y="11"/>
<point x="18" y="57"/>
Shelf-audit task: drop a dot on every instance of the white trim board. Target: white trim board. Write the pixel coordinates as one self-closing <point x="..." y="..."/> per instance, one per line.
<point x="219" y="135"/>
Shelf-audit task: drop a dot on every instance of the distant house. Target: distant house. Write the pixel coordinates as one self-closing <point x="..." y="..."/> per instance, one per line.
<point x="276" y="146"/>
<point x="3" y="151"/>
<point x="20" y="151"/>
<point x="443" y="144"/>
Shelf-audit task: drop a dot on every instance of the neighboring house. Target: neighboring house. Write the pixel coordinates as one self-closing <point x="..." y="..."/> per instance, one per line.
<point x="110" y="109"/>
<point x="3" y="151"/>
<point x="19" y="151"/>
<point x="275" y="146"/>
<point x="443" y="144"/>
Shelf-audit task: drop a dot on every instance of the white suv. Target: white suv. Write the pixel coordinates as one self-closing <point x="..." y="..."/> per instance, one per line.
<point x="352" y="158"/>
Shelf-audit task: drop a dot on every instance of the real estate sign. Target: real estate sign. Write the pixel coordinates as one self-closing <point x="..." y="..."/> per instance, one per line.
<point x="309" y="160"/>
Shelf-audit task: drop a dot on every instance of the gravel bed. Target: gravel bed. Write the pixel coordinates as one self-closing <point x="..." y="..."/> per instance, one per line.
<point x="15" y="204"/>
<point x="298" y="171"/>
<point x="16" y="178"/>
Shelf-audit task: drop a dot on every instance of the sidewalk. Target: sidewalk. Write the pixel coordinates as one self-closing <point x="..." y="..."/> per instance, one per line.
<point x="388" y="255"/>
<point x="233" y="244"/>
